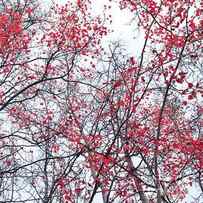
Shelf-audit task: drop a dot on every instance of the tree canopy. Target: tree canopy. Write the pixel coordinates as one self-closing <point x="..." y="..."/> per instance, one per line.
<point x="83" y="119"/>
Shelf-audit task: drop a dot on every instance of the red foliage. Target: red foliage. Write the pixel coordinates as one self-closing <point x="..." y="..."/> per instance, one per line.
<point x="78" y="120"/>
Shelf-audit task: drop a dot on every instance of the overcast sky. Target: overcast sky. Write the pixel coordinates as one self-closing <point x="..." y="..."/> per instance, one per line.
<point x="133" y="42"/>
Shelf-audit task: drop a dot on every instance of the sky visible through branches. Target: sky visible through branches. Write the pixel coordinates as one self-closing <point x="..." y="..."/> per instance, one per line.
<point x="101" y="101"/>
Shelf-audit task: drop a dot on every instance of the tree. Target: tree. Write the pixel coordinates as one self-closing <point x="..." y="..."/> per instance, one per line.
<point x="78" y="120"/>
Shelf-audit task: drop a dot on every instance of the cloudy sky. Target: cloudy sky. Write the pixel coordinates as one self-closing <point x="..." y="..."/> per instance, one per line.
<point x="132" y="39"/>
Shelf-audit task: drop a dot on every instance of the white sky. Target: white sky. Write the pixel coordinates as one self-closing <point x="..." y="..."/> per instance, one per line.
<point x="127" y="35"/>
<point x="133" y="42"/>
